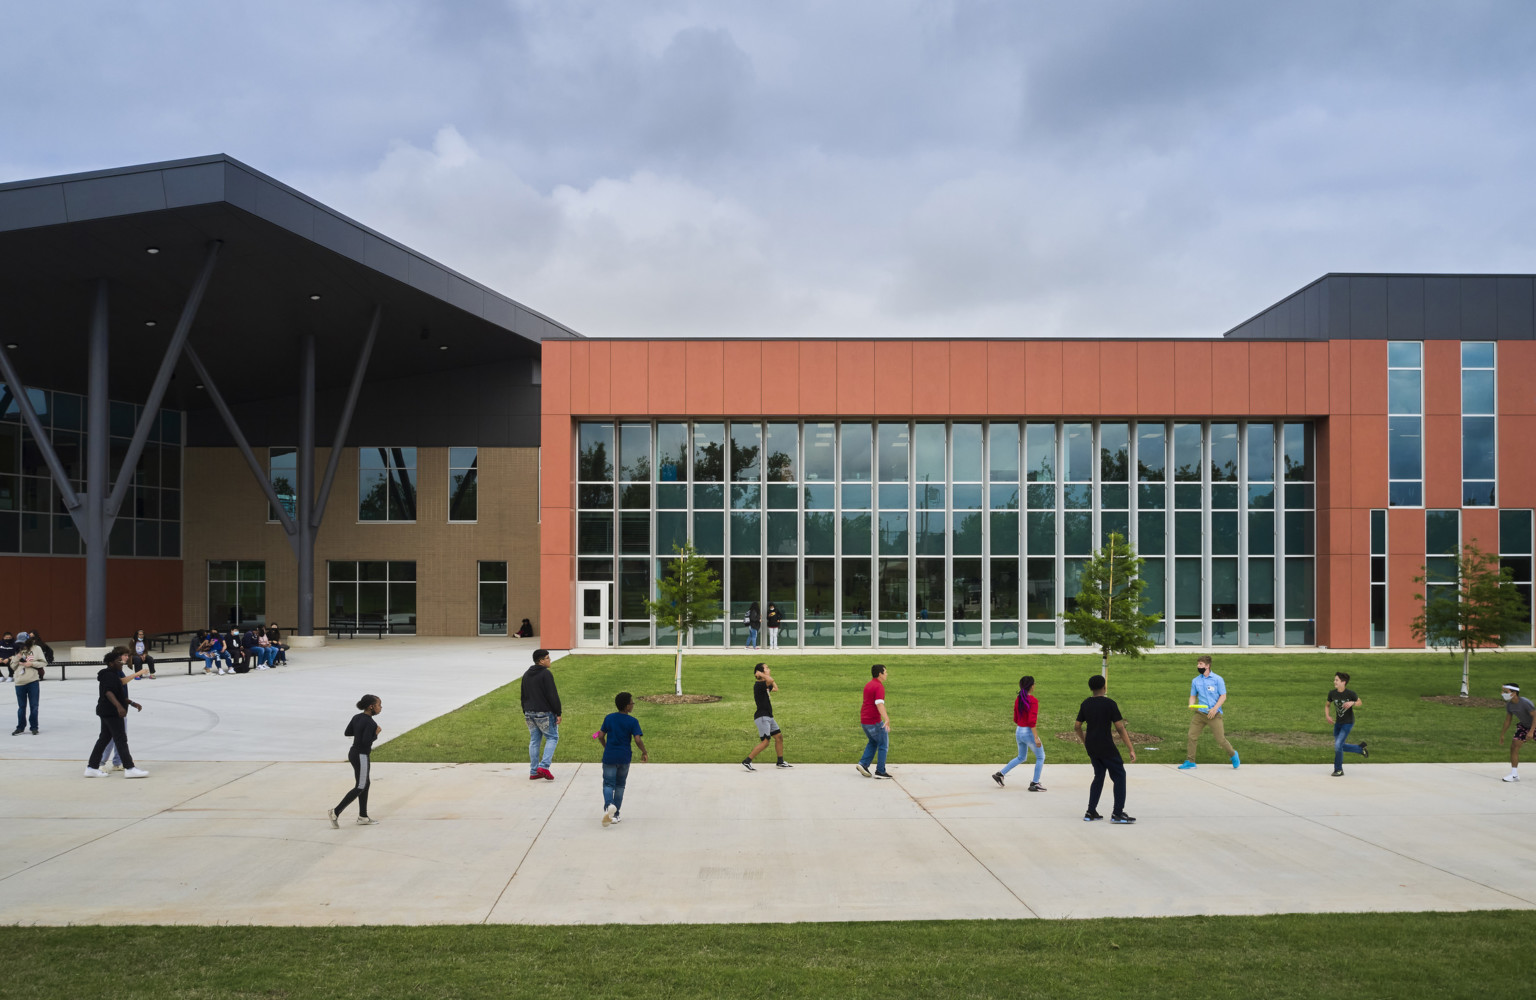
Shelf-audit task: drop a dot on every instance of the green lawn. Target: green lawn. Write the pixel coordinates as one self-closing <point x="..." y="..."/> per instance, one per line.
<point x="1356" y="956"/>
<point x="958" y="710"/>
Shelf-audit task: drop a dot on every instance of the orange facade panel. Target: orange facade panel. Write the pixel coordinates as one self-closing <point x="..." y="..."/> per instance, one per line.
<point x="1118" y="377"/>
<point x="1295" y="378"/>
<point x="1154" y="379"/>
<point x="1005" y="378"/>
<point x="555" y="374"/>
<point x="1517" y="377"/>
<point x="1080" y="378"/>
<point x="1368" y="376"/>
<point x="1442" y="376"/>
<point x="968" y="378"/>
<point x="705" y="388"/>
<point x="667" y="379"/>
<point x="1442" y="460"/>
<point x="930" y="377"/>
<point x="893" y="377"/>
<point x="743" y="360"/>
<point x="1042" y="377"/>
<point x="1517" y="472"/>
<point x="856" y="377"/>
<point x="1266" y="379"/>
<point x="781" y="378"/>
<point x="1192" y="379"/>
<point x="818" y="377"/>
<point x="1319" y="377"/>
<point x="1229" y="379"/>
<point x="630" y="378"/>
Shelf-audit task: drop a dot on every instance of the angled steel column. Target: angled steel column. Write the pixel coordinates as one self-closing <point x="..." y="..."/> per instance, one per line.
<point x="306" y="498"/>
<point x="345" y="423"/>
<point x="97" y="483"/>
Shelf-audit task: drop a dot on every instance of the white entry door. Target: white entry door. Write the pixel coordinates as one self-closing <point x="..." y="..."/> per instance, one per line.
<point x="592" y="627"/>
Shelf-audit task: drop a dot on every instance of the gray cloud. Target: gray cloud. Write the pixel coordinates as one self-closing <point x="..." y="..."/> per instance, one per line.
<point x="865" y="168"/>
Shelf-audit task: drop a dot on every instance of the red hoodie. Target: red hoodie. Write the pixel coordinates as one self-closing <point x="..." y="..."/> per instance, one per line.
<point x="1026" y="709"/>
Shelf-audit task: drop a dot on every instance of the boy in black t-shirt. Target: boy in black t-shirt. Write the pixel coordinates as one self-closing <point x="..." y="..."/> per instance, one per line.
<point x="767" y="728"/>
<point x="1339" y="709"/>
<point x="1103" y="719"/>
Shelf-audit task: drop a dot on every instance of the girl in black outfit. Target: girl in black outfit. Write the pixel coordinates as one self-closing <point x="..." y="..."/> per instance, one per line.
<point x="139" y="649"/>
<point x="363" y="731"/>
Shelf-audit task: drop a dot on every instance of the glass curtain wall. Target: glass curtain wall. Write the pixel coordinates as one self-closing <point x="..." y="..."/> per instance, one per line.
<point x="896" y="533"/>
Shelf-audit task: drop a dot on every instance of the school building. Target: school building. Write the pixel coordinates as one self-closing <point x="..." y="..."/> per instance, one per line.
<point x="329" y="430"/>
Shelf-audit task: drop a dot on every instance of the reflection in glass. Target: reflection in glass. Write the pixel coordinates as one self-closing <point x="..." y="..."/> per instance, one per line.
<point x="894" y="449"/>
<point x="928" y="453"/>
<point x="1151" y="452"/>
<point x="1003" y="452"/>
<point x="708" y="453"/>
<point x="746" y="452"/>
<point x="1040" y="453"/>
<point x="783" y="441"/>
<point x="965" y="464"/>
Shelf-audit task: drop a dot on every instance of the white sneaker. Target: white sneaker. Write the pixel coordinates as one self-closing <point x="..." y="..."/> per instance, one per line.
<point x="114" y="767"/>
<point x="616" y="819"/>
<point x="135" y="772"/>
<point x="331" y="815"/>
<point x="367" y="821"/>
<point x="608" y="812"/>
<point x="1512" y="776"/>
<point x="92" y="772"/>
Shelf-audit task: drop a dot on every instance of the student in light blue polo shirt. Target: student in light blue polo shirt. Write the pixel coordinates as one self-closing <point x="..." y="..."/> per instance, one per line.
<point x="1207" y="693"/>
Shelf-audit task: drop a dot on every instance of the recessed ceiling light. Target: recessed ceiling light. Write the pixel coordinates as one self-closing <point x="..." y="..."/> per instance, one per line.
<point x="12" y="347"/>
<point x="149" y="322"/>
<point x="151" y="250"/>
<point x="442" y="347"/>
<point x="314" y="298"/>
<point x="198" y="386"/>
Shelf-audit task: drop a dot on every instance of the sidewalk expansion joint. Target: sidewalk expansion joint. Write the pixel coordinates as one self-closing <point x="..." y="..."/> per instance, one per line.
<point x="519" y="866"/>
<point x="961" y="844"/>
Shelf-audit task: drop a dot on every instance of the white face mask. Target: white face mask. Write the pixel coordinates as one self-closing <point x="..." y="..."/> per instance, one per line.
<point x="1507" y="695"/>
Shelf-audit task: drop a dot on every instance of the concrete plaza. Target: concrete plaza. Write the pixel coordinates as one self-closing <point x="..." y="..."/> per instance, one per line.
<point x="230" y="826"/>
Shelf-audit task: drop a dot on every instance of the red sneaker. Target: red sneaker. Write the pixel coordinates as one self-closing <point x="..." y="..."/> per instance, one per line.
<point x="544" y="773"/>
<point x="535" y="776"/>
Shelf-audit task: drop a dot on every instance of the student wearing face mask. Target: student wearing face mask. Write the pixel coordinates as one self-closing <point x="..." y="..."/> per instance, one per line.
<point x="1207" y="693"/>
<point x="1520" y="709"/>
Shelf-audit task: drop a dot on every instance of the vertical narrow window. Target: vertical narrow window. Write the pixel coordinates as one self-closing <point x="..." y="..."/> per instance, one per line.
<point x="1260" y="539"/>
<point x="1114" y="482"/>
<point x="1479" y="425"/>
<point x="1515" y="556"/>
<point x="493" y="598"/>
<point x="1226" y="515"/>
<point x="464" y="482"/>
<point x="1299" y="496"/>
<point x="283" y="471"/>
<point x="1040" y="535"/>
<point x="1378" y="578"/>
<point x="1405" y="423"/>
<point x="1152" y="520"/>
<point x="1003" y="533"/>
<point x="595" y="531"/>
<point x="1442" y="544"/>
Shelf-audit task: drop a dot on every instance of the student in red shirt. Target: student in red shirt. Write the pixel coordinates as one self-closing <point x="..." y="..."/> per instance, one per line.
<point x="876" y="723"/>
<point x="1026" y="711"/>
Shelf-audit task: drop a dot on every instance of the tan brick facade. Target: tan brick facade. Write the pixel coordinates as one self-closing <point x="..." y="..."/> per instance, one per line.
<point x="225" y="517"/>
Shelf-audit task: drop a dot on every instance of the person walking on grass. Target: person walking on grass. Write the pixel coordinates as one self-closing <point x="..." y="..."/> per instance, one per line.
<point x="877" y="724"/>
<point x="1026" y="712"/>
<point x="1339" y="708"/>
<point x="541" y="710"/>
<point x="1102" y="717"/>
<point x="1207" y="693"/>
<point x="112" y="704"/>
<point x="767" y="728"/>
<point x="617" y="730"/>
<point x="363" y="731"/>
<point x="1520" y="709"/>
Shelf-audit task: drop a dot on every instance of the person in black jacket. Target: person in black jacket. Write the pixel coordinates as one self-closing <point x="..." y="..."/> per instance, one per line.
<point x="363" y="731"/>
<point x="541" y="710"/>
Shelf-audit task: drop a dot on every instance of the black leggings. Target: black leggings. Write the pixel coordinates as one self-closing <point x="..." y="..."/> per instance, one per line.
<point x="146" y="660"/>
<point x="359" y="790"/>
<point x="114" y="729"/>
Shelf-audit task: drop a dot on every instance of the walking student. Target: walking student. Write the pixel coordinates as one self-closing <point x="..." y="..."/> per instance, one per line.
<point x="112" y="705"/>
<point x="363" y="731"/>
<point x="775" y="619"/>
<point x="767" y="728"/>
<point x="541" y="710"/>
<point x="1026" y="712"/>
<point x="1339" y="708"/>
<point x="1207" y="693"/>
<point x="1520" y="709"/>
<point x="29" y="666"/>
<point x="877" y="724"/>
<point x="1102" y="717"/>
<point x="617" y="730"/>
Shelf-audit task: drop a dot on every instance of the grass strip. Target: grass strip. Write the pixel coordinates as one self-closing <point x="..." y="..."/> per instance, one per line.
<point x="1318" y="956"/>
<point x="958" y="710"/>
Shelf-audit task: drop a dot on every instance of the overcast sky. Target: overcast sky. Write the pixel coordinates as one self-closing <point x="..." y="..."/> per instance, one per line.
<point x="880" y="168"/>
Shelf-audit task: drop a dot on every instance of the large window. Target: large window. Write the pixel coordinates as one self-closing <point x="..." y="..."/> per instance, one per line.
<point x="922" y="533"/>
<point x="372" y="593"/>
<point x="463" y="483"/>
<point x="1479" y="425"/>
<point x="283" y="471"/>
<point x="493" y="598"/>
<point x="237" y="594"/>
<point x="1405" y="423"/>
<point x="386" y="484"/>
<point x="33" y="518"/>
<point x="1442" y="546"/>
<point x="1515" y="555"/>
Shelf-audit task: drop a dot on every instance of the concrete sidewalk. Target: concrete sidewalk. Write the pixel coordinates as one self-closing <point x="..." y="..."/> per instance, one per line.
<point x="246" y="842"/>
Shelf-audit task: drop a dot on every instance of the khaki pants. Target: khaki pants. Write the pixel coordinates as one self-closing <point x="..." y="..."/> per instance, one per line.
<point x="1200" y="723"/>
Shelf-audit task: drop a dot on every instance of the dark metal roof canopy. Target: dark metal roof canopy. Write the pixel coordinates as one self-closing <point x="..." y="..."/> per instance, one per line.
<point x="1401" y="307"/>
<point x="105" y="278"/>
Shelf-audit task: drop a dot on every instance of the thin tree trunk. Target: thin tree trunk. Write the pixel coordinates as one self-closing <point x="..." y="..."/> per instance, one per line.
<point x="1104" y="666"/>
<point x="1466" y="668"/>
<point x="678" y="677"/>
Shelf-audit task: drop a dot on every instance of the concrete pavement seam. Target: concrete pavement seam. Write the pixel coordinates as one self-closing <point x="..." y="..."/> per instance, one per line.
<point x="136" y="822"/>
<point x="961" y="844"/>
<point x="519" y="866"/>
<point x="1368" y="843"/>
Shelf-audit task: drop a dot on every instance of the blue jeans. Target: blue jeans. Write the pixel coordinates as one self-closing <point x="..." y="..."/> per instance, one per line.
<point x="26" y="694"/>
<point x="751" y="637"/>
<point x="1026" y="738"/>
<point x="879" y="742"/>
<point x="541" y="725"/>
<point x="614" y="777"/>
<point x="1340" y="748"/>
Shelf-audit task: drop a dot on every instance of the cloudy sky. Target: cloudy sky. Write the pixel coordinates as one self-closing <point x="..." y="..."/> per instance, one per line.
<point x="882" y="168"/>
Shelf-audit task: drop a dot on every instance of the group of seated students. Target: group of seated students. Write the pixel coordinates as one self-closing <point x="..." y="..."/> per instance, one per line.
<point x="236" y="652"/>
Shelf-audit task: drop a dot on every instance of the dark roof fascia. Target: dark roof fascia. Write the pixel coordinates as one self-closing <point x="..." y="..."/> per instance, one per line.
<point x="244" y="193"/>
<point x="1369" y="274"/>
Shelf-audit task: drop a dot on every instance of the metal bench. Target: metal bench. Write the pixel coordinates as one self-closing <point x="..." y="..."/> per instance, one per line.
<point x="62" y="666"/>
<point x="351" y="629"/>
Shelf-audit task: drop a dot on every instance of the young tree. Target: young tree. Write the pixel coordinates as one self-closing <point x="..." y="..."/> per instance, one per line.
<point x="687" y="596"/>
<point x="1476" y="610"/>
<point x="1108" y="612"/>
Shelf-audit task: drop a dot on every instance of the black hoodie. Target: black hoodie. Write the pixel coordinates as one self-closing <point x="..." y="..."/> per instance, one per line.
<point x="539" y="694"/>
